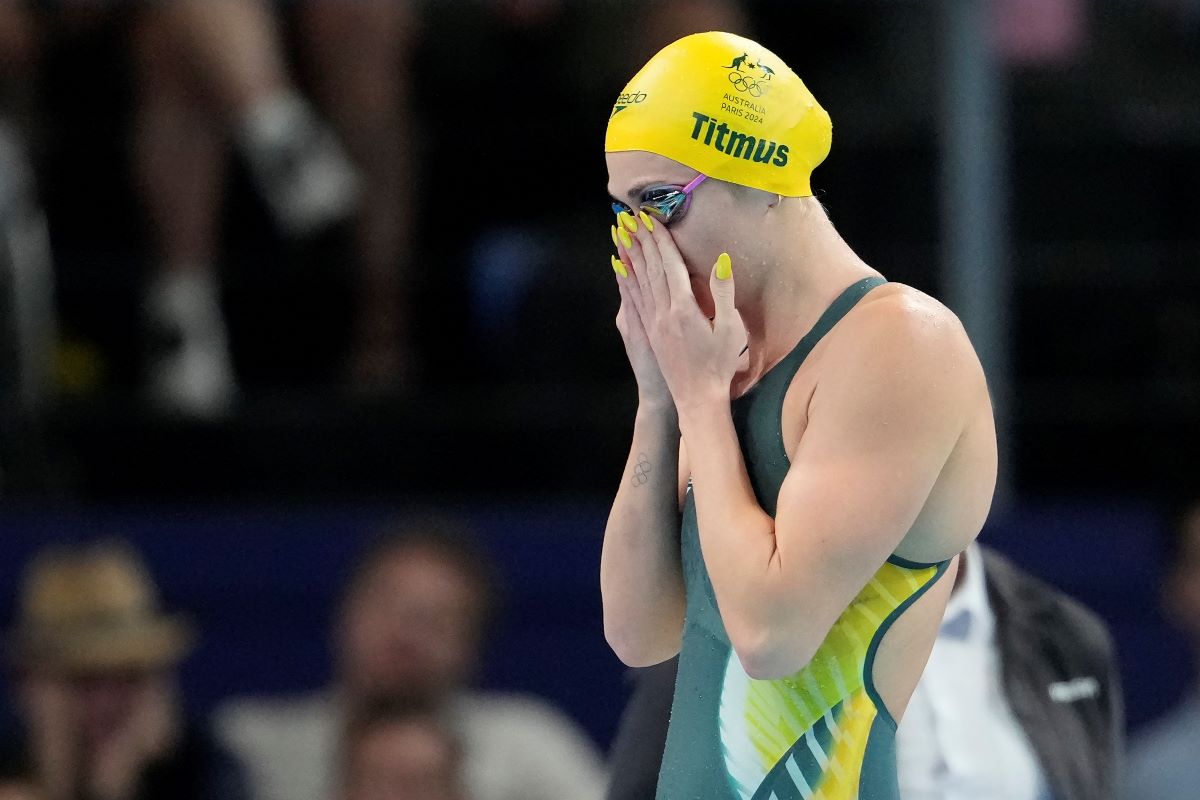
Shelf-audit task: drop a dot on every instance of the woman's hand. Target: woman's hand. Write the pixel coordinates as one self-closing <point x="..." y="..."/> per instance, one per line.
<point x="653" y="394"/>
<point x="697" y="357"/>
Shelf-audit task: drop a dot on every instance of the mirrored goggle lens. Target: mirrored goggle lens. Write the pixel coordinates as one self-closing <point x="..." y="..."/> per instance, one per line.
<point x="665" y="207"/>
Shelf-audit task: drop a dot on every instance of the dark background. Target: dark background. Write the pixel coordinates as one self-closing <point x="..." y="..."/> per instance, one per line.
<point x="523" y="415"/>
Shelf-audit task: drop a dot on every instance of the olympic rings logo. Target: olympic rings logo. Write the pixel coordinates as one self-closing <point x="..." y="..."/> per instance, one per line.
<point x="745" y="83"/>
<point x="641" y="472"/>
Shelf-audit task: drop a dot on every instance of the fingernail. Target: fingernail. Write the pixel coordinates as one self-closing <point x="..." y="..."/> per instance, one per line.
<point x="624" y="236"/>
<point x="724" y="267"/>
<point x="626" y="219"/>
<point x="614" y="236"/>
<point x="646" y="219"/>
<point x="619" y="267"/>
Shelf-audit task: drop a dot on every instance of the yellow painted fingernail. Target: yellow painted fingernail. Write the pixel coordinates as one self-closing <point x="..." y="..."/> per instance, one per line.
<point x="626" y="219"/>
<point x="619" y="267"/>
<point x="624" y="236"/>
<point x="724" y="267"/>
<point x="646" y="219"/>
<point x="614" y="236"/>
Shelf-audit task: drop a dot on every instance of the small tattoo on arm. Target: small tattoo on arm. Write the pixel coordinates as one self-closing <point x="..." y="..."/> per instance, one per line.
<point x="641" y="470"/>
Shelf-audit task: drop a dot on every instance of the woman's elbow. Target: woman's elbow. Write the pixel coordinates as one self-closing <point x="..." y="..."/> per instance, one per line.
<point x="641" y="648"/>
<point x="766" y="655"/>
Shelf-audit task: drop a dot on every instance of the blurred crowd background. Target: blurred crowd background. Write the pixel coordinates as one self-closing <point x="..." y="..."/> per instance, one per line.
<point x="310" y="397"/>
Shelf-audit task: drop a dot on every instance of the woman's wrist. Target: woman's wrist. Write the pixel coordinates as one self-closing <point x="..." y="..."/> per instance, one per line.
<point x="661" y="411"/>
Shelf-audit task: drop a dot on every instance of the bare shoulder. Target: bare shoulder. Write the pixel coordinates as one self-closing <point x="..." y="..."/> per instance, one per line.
<point x="907" y="350"/>
<point x="896" y="309"/>
<point x="898" y="324"/>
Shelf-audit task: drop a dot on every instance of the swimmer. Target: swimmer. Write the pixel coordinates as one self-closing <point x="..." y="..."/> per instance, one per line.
<point x="813" y="445"/>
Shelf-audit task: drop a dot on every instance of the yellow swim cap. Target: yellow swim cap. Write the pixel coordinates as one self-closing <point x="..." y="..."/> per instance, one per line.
<point x="727" y="107"/>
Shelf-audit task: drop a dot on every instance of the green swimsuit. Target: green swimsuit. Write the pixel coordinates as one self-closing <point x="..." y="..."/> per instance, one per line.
<point x="821" y="733"/>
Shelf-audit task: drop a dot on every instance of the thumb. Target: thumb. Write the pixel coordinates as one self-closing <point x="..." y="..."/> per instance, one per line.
<point x="721" y="284"/>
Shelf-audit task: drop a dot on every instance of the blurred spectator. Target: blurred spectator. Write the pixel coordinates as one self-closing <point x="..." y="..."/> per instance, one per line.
<point x="1039" y="32"/>
<point x="1163" y="758"/>
<point x="1020" y="700"/>
<point x="26" y="279"/>
<point x="410" y="628"/>
<point x="211" y="73"/>
<point x="360" y="56"/>
<point x="393" y="752"/>
<point x="94" y="662"/>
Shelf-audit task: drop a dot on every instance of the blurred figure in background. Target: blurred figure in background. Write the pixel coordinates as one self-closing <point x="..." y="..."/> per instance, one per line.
<point x="410" y="630"/>
<point x="210" y="74"/>
<point x="1163" y="758"/>
<point x="214" y="73"/>
<point x="95" y="673"/>
<point x="27" y="313"/>
<point x="394" y="752"/>
<point x="1020" y="700"/>
<point x="360" y="58"/>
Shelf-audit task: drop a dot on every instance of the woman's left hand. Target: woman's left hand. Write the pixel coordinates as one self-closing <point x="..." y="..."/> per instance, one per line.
<point x="698" y="356"/>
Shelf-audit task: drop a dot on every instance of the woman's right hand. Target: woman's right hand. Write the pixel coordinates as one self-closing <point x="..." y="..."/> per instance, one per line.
<point x="653" y="394"/>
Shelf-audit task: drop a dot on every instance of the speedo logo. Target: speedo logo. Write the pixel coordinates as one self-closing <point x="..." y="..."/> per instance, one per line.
<point x="738" y="144"/>
<point x="626" y="100"/>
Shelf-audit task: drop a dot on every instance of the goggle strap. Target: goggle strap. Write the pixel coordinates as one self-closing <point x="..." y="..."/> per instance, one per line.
<point x="696" y="181"/>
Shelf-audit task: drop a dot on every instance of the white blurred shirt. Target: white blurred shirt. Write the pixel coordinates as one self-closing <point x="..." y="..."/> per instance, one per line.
<point x="514" y="747"/>
<point x="958" y="739"/>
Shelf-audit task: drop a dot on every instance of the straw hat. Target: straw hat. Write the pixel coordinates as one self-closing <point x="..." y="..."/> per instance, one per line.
<point x="94" y="609"/>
